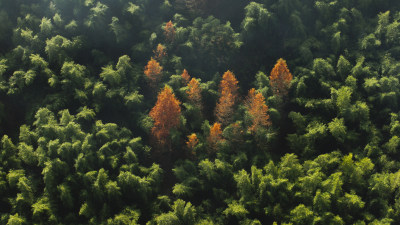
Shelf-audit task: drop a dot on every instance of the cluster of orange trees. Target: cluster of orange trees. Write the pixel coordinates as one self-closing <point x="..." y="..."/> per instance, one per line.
<point x="166" y="112"/>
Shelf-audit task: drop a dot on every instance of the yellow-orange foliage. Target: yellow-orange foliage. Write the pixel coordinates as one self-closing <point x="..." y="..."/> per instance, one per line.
<point x="280" y="78"/>
<point x="258" y="110"/>
<point x="194" y="92"/>
<point x="165" y="114"/>
<point x="169" y="31"/>
<point x="153" y="71"/>
<point x="229" y="92"/>
<point x="160" y="52"/>
<point x="192" y="141"/>
<point x="185" y="76"/>
<point x="229" y="84"/>
<point x="215" y="135"/>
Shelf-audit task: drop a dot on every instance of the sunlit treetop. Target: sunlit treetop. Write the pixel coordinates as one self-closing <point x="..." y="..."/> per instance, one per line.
<point x="153" y="70"/>
<point x="215" y="135"/>
<point x="229" y="93"/>
<point x="185" y="76"/>
<point x="257" y="109"/>
<point x="169" y="31"/>
<point x="160" y="52"/>
<point x="192" y="141"/>
<point x="280" y="78"/>
<point x="165" y="114"/>
<point x="194" y="92"/>
<point x="229" y="84"/>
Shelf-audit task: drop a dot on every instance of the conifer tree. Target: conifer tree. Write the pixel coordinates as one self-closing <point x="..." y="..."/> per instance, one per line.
<point x="185" y="76"/>
<point x="229" y="92"/>
<point x="165" y="114"/>
<point x="215" y="135"/>
<point x="160" y="52"/>
<point x="153" y="71"/>
<point x="280" y="78"/>
<point x="257" y="109"/>
<point x="194" y="92"/>
<point x="192" y="143"/>
<point x="169" y="31"/>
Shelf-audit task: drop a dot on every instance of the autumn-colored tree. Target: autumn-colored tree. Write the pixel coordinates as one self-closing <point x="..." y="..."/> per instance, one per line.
<point x="160" y="52"/>
<point x="165" y="114"/>
<point x="185" y="76"/>
<point x="229" y="92"/>
<point x="194" y="92"/>
<point x="153" y="71"/>
<point x="192" y="142"/>
<point x="257" y="109"/>
<point x="229" y="83"/>
<point x="280" y="78"/>
<point x="169" y="31"/>
<point x="225" y="108"/>
<point x="215" y="136"/>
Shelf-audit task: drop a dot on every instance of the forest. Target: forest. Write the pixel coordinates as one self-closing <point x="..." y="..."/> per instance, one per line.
<point x="200" y="112"/>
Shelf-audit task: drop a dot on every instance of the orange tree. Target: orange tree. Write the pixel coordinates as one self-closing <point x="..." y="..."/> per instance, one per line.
<point x="160" y="52"/>
<point x="194" y="92"/>
<point x="215" y="136"/>
<point x="153" y="71"/>
<point x="229" y="93"/>
<point x="165" y="114"/>
<point x="192" y="143"/>
<point x="258" y="110"/>
<point x="169" y="31"/>
<point x="185" y="77"/>
<point x="280" y="78"/>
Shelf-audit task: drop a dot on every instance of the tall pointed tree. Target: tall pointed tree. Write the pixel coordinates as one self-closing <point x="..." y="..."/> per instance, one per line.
<point x="280" y="78"/>
<point x="169" y="31"/>
<point x="194" y="92"/>
<point x="165" y="114"/>
<point x="258" y="110"/>
<point x="215" y="136"/>
<point x="192" y="143"/>
<point x="185" y="76"/>
<point x="153" y="71"/>
<point x="160" y="52"/>
<point x="229" y="93"/>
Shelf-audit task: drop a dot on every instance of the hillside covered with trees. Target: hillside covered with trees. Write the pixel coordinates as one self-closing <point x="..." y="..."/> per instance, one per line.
<point x="200" y="112"/>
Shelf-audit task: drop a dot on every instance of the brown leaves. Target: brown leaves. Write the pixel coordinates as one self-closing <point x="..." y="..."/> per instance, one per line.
<point x="229" y="84"/>
<point x="192" y="141"/>
<point x="153" y="71"/>
<point x="165" y="114"/>
<point x="215" y="135"/>
<point x="229" y="92"/>
<point x="185" y="76"/>
<point x="169" y="31"/>
<point x="194" y="92"/>
<point x="160" y="52"/>
<point x="257" y="109"/>
<point x="280" y="78"/>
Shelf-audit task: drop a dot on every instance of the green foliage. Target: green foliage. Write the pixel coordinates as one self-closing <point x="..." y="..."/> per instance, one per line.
<point x="74" y="102"/>
<point x="183" y="213"/>
<point x="301" y="215"/>
<point x="338" y="129"/>
<point x="256" y="16"/>
<point x="234" y="209"/>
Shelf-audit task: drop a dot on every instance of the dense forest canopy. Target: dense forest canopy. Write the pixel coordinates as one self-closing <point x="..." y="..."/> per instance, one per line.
<point x="199" y="112"/>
